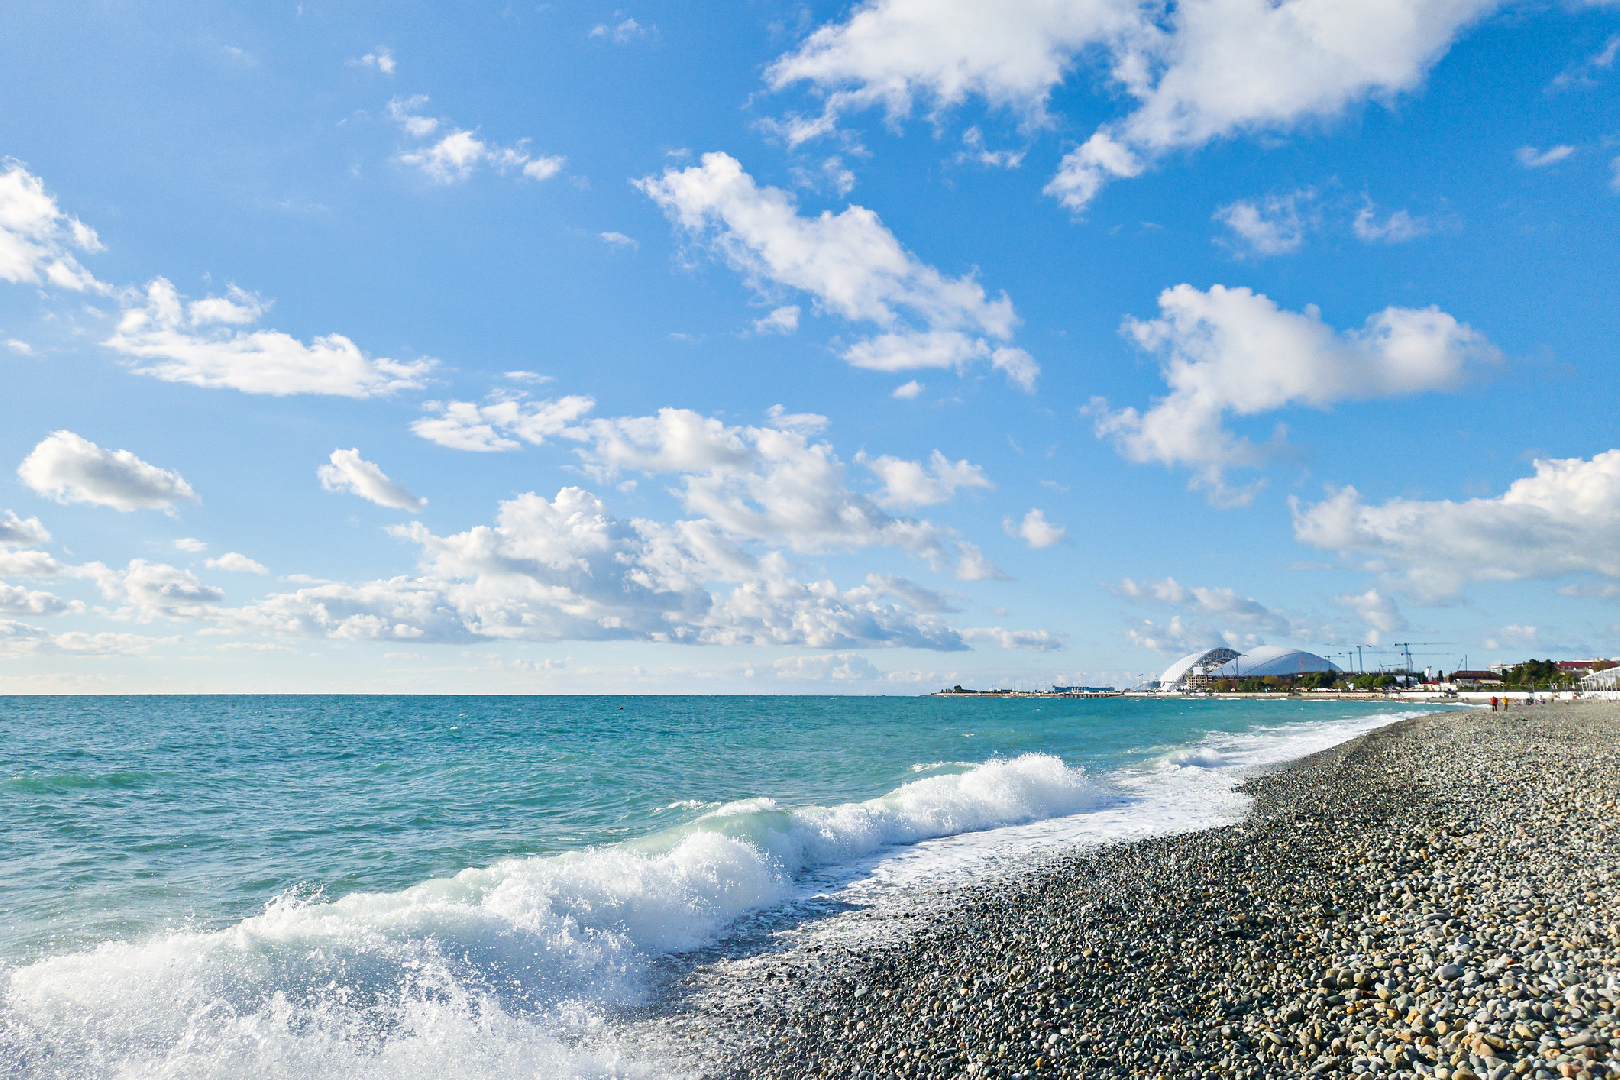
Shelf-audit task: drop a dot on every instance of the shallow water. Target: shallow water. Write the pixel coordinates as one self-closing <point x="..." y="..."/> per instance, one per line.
<point x="393" y="886"/>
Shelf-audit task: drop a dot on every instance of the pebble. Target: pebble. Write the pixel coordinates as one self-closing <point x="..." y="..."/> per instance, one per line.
<point x="1439" y="898"/>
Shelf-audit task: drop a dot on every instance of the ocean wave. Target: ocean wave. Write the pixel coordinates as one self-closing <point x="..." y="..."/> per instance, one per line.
<point x="505" y="970"/>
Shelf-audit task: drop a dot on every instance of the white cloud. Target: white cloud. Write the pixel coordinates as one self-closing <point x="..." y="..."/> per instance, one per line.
<point x="381" y="58"/>
<point x="1200" y="70"/>
<point x="1233" y="351"/>
<point x="148" y="589"/>
<point x="771" y="484"/>
<point x="189" y="544"/>
<point x="567" y="569"/>
<point x="892" y="52"/>
<point x="1514" y="637"/>
<point x="974" y="151"/>
<point x="464" y="425"/>
<point x="618" y="239"/>
<point x="71" y="469"/>
<point x="1397" y="228"/>
<point x="910" y="483"/>
<point x="457" y="155"/>
<point x="1531" y="158"/>
<point x="1584" y="73"/>
<point x="851" y="265"/>
<point x="1563" y="520"/>
<point x="20" y="639"/>
<point x="348" y="471"/>
<point x="1038" y="640"/>
<point x="907" y="391"/>
<point x="1378" y="610"/>
<point x="1298" y="59"/>
<point x="527" y="377"/>
<point x="16" y="600"/>
<point x="1035" y="530"/>
<point x="236" y="563"/>
<point x="22" y="532"/>
<point x="622" y="33"/>
<point x="27" y="564"/>
<point x="185" y="342"/>
<point x="35" y="235"/>
<point x="20" y="347"/>
<point x="782" y="320"/>
<point x="1272" y="226"/>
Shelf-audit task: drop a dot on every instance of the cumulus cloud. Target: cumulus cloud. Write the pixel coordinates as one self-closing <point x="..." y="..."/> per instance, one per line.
<point x="347" y="471"/>
<point x="1378" y="610"/>
<point x="22" y="532"/>
<point x="22" y="348"/>
<point x="505" y="424"/>
<point x="16" y="600"/>
<point x="146" y="590"/>
<point x="193" y="342"/>
<point x="1035" y="530"/>
<point x="1234" y="352"/>
<point x="1398" y="227"/>
<point x="455" y="156"/>
<point x="1038" y="640"/>
<point x="1531" y="158"/>
<point x="1199" y="71"/>
<point x="849" y="263"/>
<point x="189" y="544"/>
<point x="1514" y="637"/>
<point x="381" y="58"/>
<point x="891" y="53"/>
<point x="782" y="320"/>
<point x="1563" y="520"/>
<point x="1271" y="226"/>
<point x="621" y="33"/>
<point x="37" y="239"/>
<point x="908" y="390"/>
<point x="71" y="469"/>
<point x="1204" y="617"/>
<point x="774" y="484"/>
<point x="236" y="563"/>
<point x="568" y="569"/>
<point x="1224" y="67"/>
<point x="911" y="483"/>
<point x="27" y="564"/>
<point x="1585" y="73"/>
<point x="618" y="239"/>
<point x="18" y="639"/>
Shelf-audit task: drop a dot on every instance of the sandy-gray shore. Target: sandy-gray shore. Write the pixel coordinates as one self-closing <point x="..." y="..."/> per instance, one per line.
<point x="1438" y="898"/>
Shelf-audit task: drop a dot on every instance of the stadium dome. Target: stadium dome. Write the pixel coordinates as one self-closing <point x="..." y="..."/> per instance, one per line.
<point x="1194" y="664"/>
<point x="1272" y="660"/>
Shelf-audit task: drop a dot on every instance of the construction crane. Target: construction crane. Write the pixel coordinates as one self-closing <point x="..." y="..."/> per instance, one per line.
<point x="1406" y="648"/>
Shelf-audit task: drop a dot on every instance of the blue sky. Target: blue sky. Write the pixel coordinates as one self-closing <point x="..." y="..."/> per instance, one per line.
<point x="800" y="348"/>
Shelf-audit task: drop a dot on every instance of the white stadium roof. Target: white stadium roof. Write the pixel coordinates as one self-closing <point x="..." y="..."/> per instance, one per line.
<point x="1273" y="660"/>
<point x="1205" y="659"/>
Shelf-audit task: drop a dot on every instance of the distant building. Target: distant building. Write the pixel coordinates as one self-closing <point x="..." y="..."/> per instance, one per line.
<point x="1475" y="679"/>
<point x="1277" y="660"/>
<point x="1184" y="673"/>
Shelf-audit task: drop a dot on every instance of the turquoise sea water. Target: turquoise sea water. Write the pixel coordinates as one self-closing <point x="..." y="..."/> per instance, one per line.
<point x="314" y="886"/>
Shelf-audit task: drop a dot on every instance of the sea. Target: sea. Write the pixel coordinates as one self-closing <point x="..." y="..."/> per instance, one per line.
<point x="405" y="888"/>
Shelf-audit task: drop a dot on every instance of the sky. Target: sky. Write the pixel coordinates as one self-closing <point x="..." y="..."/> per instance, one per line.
<point x="779" y="348"/>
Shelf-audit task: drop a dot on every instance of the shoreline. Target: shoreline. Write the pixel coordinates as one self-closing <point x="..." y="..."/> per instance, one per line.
<point x="1438" y="897"/>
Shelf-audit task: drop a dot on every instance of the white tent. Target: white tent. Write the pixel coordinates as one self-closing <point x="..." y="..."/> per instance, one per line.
<point x="1607" y="679"/>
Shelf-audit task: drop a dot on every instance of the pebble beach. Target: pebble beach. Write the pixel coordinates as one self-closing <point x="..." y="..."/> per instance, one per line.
<point x="1440" y="897"/>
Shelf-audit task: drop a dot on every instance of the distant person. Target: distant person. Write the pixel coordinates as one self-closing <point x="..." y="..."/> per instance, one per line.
<point x="1493" y="704"/>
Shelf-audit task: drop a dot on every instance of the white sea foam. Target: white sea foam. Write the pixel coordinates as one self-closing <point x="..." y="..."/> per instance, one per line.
<point x="498" y="971"/>
<point x="509" y="970"/>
